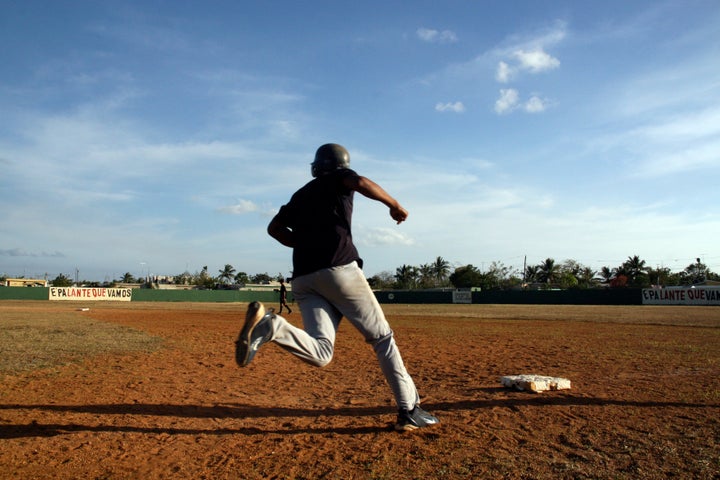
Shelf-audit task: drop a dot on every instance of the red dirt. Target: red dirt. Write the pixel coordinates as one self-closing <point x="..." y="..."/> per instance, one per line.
<point x="644" y="403"/>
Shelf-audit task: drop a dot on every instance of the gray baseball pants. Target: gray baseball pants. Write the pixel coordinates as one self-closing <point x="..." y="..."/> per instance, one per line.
<point x="324" y="297"/>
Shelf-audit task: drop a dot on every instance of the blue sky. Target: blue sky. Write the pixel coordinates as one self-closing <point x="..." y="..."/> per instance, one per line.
<point x="161" y="136"/>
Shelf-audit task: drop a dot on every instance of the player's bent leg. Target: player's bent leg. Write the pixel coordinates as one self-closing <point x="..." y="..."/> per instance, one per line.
<point x="315" y="343"/>
<point x="315" y="351"/>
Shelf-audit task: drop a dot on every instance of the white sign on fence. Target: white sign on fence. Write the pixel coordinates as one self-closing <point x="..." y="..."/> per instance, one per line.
<point x="94" y="294"/>
<point x="462" y="296"/>
<point x="681" y="296"/>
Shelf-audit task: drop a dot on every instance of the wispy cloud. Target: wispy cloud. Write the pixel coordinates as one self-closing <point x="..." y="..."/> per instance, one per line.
<point x="508" y="101"/>
<point x="456" y="107"/>
<point x="239" y="208"/>
<point x="431" y="35"/>
<point x="18" y="252"/>
<point x="670" y="118"/>
<point x="504" y="72"/>
<point x="383" y="236"/>
<point x="534" y="61"/>
<point x="683" y="143"/>
<point x="535" y="105"/>
<point x="138" y="31"/>
<point x="542" y="39"/>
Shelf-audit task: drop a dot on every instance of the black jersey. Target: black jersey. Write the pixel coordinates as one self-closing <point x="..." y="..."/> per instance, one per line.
<point x="320" y="217"/>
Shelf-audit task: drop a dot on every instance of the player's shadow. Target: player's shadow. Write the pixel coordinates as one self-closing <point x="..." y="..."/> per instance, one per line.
<point x="218" y="412"/>
<point x="509" y="399"/>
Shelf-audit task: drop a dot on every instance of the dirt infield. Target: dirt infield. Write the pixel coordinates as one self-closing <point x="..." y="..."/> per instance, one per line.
<point x="644" y="403"/>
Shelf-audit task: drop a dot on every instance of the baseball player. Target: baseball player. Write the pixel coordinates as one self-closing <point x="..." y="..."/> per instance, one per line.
<point x="283" y="297"/>
<point x="328" y="283"/>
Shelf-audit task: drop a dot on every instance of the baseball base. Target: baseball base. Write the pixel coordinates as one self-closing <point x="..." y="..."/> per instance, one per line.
<point x="535" y="383"/>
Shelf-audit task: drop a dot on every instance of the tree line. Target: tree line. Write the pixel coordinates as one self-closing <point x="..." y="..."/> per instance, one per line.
<point x="548" y="274"/>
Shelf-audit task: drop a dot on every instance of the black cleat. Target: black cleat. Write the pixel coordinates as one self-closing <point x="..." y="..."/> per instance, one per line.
<point x="414" y="419"/>
<point x="256" y="331"/>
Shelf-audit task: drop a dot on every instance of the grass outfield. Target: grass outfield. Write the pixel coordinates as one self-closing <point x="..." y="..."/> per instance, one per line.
<point x="31" y="339"/>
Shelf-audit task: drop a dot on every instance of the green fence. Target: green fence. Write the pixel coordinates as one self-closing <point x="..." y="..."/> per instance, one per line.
<point x="619" y="296"/>
<point x="24" y="293"/>
<point x="615" y="296"/>
<point x="148" y="295"/>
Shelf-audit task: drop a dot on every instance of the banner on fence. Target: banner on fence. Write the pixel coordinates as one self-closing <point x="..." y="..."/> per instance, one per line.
<point x="681" y="296"/>
<point x="462" y="296"/>
<point x="95" y="294"/>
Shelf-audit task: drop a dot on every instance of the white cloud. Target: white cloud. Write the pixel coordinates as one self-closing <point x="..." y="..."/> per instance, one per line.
<point x="535" y="105"/>
<point x="456" y="107"/>
<point x="528" y="56"/>
<point x="504" y="72"/>
<point x="18" y="252"/>
<point x="384" y="236"/>
<point x="435" y="36"/>
<point x="539" y="41"/>
<point x="690" y="126"/>
<point x="688" y="143"/>
<point x="508" y="100"/>
<point x="240" y="208"/>
<point x="536" y="61"/>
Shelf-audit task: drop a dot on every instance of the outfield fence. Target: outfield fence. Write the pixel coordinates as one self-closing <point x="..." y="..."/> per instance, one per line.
<point x="624" y="296"/>
<point x="612" y="296"/>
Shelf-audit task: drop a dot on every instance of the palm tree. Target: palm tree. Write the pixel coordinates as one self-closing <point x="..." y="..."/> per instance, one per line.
<point x="586" y="277"/>
<point x="427" y="275"/>
<point x="62" y="281"/>
<point x="242" y="278"/>
<point x="548" y="270"/>
<point x="634" y="268"/>
<point x="227" y="273"/>
<point x="532" y="273"/>
<point x="406" y="276"/>
<point x="694" y="273"/>
<point x="441" y="270"/>
<point x="607" y="273"/>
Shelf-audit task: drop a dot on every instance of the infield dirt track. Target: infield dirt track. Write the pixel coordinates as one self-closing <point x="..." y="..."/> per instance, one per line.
<point x="644" y="403"/>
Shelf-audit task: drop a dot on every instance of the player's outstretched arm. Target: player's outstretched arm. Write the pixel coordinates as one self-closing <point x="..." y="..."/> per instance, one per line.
<point x="372" y="190"/>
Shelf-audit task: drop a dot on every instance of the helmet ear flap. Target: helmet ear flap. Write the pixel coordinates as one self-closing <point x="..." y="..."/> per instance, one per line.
<point x="329" y="157"/>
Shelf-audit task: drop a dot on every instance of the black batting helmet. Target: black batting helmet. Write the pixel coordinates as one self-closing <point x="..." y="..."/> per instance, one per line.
<point x="329" y="157"/>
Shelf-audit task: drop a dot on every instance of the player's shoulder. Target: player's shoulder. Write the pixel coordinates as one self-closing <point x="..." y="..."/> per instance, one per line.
<point x="342" y="178"/>
<point x="346" y="172"/>
<point x="336" y="177"/>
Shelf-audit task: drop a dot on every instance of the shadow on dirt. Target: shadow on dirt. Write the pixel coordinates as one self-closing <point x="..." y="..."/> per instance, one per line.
<point x="511" y="400"/>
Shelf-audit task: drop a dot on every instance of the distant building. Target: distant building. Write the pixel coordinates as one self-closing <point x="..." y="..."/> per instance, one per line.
<point x="25" y="282"/>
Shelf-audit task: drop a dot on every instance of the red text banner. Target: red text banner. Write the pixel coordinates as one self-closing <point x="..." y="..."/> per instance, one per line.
<point x="681" y="296"/>
<point x="95" y="294"/>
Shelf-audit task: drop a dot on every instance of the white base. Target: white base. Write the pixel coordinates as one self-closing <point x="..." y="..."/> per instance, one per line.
<point x="535" y="383"/>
